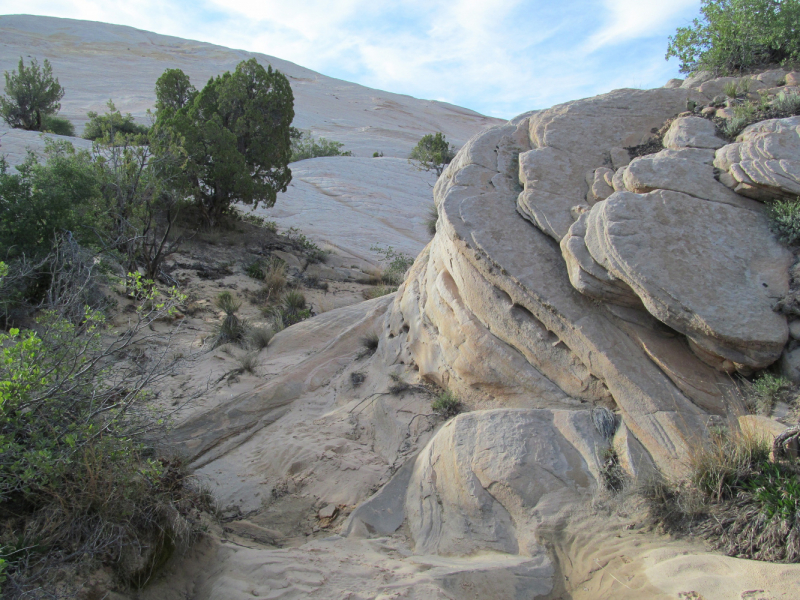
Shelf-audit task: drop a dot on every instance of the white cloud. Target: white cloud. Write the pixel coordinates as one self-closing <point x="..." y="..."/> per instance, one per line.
<point x="631" y="19"/>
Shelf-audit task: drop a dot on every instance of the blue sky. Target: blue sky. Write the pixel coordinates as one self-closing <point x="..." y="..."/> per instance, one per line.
<point x="498" y="57"/>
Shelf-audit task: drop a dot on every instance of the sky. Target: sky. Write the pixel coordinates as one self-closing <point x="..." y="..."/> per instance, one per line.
<point x="497" y="57"/>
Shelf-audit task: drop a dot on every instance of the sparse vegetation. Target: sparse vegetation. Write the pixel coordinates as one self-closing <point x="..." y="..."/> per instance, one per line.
<point x="431" y="220"/>
<point x="764" y="391"/>
<point x="397" y="263"/>
<point x="113" y="124"/>
<point x="611" y="471"/>
<point x="79" y="477"/>
<point x="313" y="253"/>
<point x="370" y="343"/>
<point x="747" y="112"/>
<point x="31" y="95"/>
<point x="736" y="497"/>
<point x="232" y="329"/>
<point x="447" y="405"/>
<point x="736" y="35"/>
<point x="433" y="153"/>
<point x="784" y="220"/>
<point x="304" y="146"/>
<point x="259" y="338"/>
<point x="290" y="310"/>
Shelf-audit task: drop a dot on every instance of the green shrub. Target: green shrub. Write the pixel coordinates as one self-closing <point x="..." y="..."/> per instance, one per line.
<point x="432" y="220"/>
<point x="112" y="123"/>
<point x="232" y="329"/>
<point x="447" y="405"/>
<point x="784" y="220"/>
<point x="314" y="254"/>
<point x="735" y="35"/>
<point x="735" y="497"/>
<point x="78" y="478"/>
<point x="58" y="125"/>
<point x="433" y="153"/>
<point x="41" y="200"/>
<point x="398" y="263"/>
<point x="764" y="391"/>
<point x="305" y="146"/>
<point x="290" y="310"/>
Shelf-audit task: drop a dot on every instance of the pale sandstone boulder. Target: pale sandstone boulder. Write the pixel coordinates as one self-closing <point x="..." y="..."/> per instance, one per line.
<point x="619" y="157"/>
<point x="792" y="79"/>
<point x="717" y="86"/>
<point x="570" y="139"/>
<point x="688" y="170"/>
<point x="600" y="182"/>
<point x="674" y="83"/>
<point x="489" y="311"/>
<point x="772" y="78"/>
<point x="695" y="80"/>
<point x="692" y="132"/>
<point x="489" y="479"/>
<point x="765" y="160"/>
<point x="588" y="277"/>
<point x="661" y="243"/>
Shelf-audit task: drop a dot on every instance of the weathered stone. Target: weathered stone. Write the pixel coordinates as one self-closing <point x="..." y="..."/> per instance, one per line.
<point x="790" y="365"/>
<point x="688" y="170"/>
<point x="772" y="78"/>
<point x="697" y="79"/>
<point x="600" y="186"/>
<point x="660" y="243"/>
<point x="674" y="83"/>
<point x="709" y="111"/>
<point x="692" y="132"/>
<point x="765" y="161"/>
<point x="619" y="157"/>
<point x="586" y="275"/>
<point x="717" y="86"/>
<point x="792" y="79"/>
<point x="573" y="138"/>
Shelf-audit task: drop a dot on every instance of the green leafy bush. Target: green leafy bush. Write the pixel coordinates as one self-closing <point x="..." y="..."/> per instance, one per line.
<point x="41" y="200"/>
<point x="112" y="123"/>
<point x="78" y="478"/>
<point x="447" y="405"/>
<point x="764" y="391"/>
<point x="58" y="125"/>
<point x="784" y="220"/>
<point x="735" y="35"/>
<point x="433" y="153"/>
<point x="305" y="147"/>
<point x="397" y="263"/>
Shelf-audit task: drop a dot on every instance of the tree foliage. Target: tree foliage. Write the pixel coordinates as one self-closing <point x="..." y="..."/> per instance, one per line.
<point x="736" y="35"/>
<point x="112" y="123"/>
<point x="433" y="153"/>
<point x="32" y="93"/>
<point x="236" y="133"/>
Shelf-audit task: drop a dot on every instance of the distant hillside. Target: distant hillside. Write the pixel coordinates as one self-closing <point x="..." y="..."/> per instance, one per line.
<point x="97" y="61"/>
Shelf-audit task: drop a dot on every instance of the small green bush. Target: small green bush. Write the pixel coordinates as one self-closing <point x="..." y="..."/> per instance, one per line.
<point x="447" y="405"/>
<point x="764" y="391"/>
<point x="784" y="220"/>
<point x="112" y="123"/>
<point x="314" y="254"/>
<point x="735" y="35"/>
<point x="736" y="497"/>
<point x="290" y="310"/>
<point x="398" y="263"/>
<point x="232" y="329"/>
<point x="58" y="125"/>
<point x="305" y="147"/>
<point x="433" y="153"/>
<point x="432" y="220"/>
